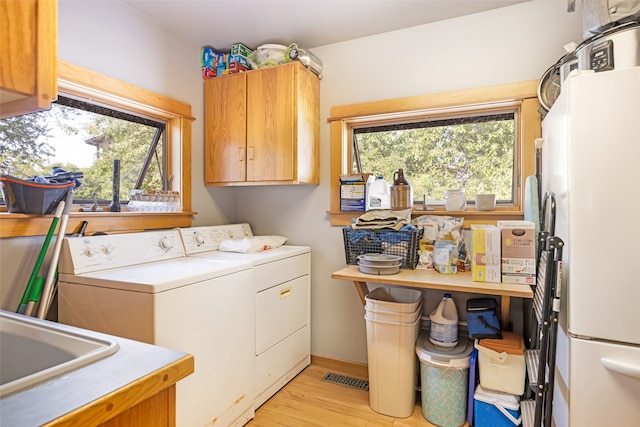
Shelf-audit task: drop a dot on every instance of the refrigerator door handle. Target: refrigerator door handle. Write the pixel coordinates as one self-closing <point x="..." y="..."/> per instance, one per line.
<point x="623" y="368"/>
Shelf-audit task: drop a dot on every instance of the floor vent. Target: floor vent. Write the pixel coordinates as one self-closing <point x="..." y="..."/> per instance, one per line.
<point x="356" y="383"/>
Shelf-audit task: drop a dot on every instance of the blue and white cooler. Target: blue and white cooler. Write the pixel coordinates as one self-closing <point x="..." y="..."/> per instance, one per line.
<point x="444" y="379"/>
<point x="495" y="409"/>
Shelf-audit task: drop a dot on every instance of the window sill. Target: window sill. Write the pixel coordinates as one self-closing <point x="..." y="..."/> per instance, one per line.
<point x="17" y="225"/>
<point x="470" y="216"/>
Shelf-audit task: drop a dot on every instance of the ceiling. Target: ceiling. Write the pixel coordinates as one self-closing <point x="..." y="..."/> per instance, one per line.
<point x="309" y="23"/>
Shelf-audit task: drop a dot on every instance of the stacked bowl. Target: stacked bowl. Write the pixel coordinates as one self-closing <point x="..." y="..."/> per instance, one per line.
<point x="379" y="264"/>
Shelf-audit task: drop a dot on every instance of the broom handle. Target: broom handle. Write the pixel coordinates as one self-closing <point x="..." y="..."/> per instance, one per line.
<point x="43" y="251"/>
<point x="47" y="290"/>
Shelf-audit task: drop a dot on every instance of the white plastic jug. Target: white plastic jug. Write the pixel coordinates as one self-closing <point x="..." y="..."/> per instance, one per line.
<point x="444" y="323"/>
<point x="378" y="194"/>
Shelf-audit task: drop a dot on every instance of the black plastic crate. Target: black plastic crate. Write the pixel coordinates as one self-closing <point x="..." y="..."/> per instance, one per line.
<point x="24" y="196"/>
<point x="404" y="244"/>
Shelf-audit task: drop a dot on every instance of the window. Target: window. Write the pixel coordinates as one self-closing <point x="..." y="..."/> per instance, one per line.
<point x="82" y="84"/>
<point x="481" y="140"/>
<point x="473" y="152"/>
<point x="82" y="136"/>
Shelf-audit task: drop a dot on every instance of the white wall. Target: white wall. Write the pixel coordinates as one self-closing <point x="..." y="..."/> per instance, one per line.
<point x="506" y="45"/>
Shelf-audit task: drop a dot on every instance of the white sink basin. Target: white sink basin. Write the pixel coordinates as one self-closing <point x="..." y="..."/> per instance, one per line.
<point x="33" y="350"/>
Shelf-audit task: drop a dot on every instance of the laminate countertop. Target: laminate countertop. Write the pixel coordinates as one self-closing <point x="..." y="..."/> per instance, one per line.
<point x="100" y="391"/>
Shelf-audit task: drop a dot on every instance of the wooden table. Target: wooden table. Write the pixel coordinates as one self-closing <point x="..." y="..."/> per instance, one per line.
<point x="429" y="279"/>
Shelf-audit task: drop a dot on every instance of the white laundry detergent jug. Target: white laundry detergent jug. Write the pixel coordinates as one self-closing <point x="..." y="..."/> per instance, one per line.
<point x="378" y="194"/>
<point x="443" y="330"/>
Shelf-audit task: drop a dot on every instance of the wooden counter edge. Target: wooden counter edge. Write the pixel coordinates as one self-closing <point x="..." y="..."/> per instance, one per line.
<point x="115" y="403"/>
<point x="444" y="281"/>
<point x="454" y="283"/>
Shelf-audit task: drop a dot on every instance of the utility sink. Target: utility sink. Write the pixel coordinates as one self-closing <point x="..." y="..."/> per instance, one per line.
<point x="34" y="350"/>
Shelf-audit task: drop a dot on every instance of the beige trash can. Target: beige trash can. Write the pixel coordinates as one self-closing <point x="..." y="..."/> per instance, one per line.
<point x="393" y="323"/>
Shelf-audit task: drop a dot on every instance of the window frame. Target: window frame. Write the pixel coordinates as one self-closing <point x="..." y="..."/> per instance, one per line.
<point x="522" y="95"/>
<point x="98" y="109"/>
<point x="80" y="82"/>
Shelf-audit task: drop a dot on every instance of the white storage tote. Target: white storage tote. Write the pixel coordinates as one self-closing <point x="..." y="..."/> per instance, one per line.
<point x="501" y="363"/>
<point x="495" y="409"/>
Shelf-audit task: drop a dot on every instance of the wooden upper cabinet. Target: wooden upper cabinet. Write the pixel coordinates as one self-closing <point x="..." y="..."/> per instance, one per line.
<point x="225" y="129"/>
<point x="28" y="51"/>
<point x="262" y="127"/>
<point x="271" y="121"/>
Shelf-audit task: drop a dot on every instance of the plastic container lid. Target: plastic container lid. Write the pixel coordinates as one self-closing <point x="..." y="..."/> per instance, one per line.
<point x="505" y="400"/>
<point x="458" y="356"/>
<point x="511" y="343"/>
<point x="272" y="46"/>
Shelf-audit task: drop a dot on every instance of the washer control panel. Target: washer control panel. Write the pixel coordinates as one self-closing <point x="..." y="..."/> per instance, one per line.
<point x="208" y="238"/>
<point x="94" y="253"/>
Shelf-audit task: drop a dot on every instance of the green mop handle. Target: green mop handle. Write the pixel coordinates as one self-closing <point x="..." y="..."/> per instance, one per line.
<point x="43" y="251"/>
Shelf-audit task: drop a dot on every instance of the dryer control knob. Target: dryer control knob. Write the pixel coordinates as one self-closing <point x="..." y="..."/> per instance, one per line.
<point x="165" y="244"/>
<point x="198" y="238"/>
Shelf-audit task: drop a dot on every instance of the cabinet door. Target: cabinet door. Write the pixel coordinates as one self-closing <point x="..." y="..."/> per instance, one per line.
<point x="271" y="120"/>
<point x="225" y="129"/>
<point x="28" y="41"/>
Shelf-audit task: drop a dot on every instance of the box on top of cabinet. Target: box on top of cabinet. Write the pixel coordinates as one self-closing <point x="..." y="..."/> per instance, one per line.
<point x="485" y="253"/>
<point x="518" y="251"/>
<point x="213" y="62"/>
<point x="238" y="63"/>
<point x="240" y="49"/>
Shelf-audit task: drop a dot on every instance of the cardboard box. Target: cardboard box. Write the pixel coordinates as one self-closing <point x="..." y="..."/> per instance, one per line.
<point x="240" y="49"/>
<point x="518" y="252"/>
<point x="238" y="63"/>
<point x="352" y="196"/>
<point x="236" y="67"/>
<point x="485" y="253"/>
<point x="239" y="59"/>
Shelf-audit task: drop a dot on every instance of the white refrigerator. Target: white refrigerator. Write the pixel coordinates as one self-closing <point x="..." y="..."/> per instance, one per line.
<point x="591" y="161"/>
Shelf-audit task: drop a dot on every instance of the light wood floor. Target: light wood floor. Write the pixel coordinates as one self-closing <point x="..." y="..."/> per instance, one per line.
<point x="307" y="401"/>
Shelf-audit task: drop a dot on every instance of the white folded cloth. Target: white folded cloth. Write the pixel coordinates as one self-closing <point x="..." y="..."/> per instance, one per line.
<point x="384" y="218"/>
<point x="251" y="244"/>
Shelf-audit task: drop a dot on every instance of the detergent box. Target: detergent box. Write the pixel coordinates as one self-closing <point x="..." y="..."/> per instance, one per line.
<point x="352" y="196"/>
<point x="518" y="251"/>
<point x="485" y="253"/>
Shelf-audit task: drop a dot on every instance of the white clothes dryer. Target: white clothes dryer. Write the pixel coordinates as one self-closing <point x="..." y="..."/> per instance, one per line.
<point x="282" y="288"/>
<point x="142" y="286"/>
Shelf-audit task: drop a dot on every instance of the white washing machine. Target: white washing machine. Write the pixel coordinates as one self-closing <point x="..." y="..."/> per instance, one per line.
<point x="281" y="286"/>
<point x="142" y="286"/>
